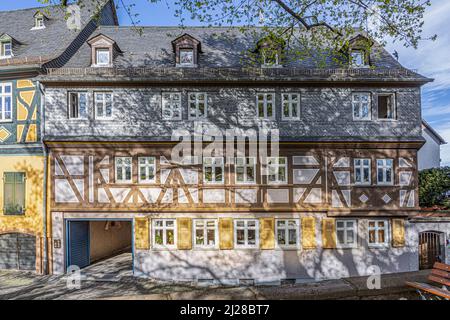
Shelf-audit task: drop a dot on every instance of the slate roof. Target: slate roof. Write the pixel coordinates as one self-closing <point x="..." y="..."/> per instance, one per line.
<point x="41" y="45"/>
<point x="149" y="54"/>
<point x="433" y="132"/>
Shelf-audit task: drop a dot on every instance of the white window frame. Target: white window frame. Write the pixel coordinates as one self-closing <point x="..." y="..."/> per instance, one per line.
<point x="78" y="93"/>
<point x="195" y="102"/>
<point x="168" y="102"/>
<point x="147" y="166"/>
<point x="265" y="102"/>
<point x="191" y="50"/>
<point x="164" y="228"/>
<point x="385" y="167"/>
<point x="265" y="64"/>
<point x="3" y="54"/>
<point x="363" y="54"/>
<point x="213" y="166"/>
<point x="246" y="228"/>
<point x="205" y="229"/>
<point x="123" y="169"/>
<point x="103" y="102"/>
<point x="386" y="228"/>
<point x="3" y="97"/>
<point x="286" y="229"/>
<point x="39" y="23"/>
<point x="277" y="166"/>
<point x="358" y="104"/>
<point x="245" y="166"/>
<point x="345" y="229"/>
<point x="102" y="50"/>
<point x="393" y="105"/>
<point x="288" y="98"/>
<point x="361" y="168"/>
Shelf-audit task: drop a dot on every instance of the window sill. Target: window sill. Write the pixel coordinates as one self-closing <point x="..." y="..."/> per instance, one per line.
<point x="186" y="65"/>
<point x="6" y="121"/>
<point x="290" y="119"/>
<point x="287" y="248"/>
<point x="162" y="248"/>
<point x="379" y="246"/>
<point x="6" y="57"/>
<point x="38" y="28"/>
<point x="362" y="120"/>
<point x="246" y="247"/>
<point x="387" y="120"/>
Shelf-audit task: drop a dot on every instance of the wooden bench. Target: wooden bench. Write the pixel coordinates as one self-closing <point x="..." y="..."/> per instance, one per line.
<point x="440" y="274"/>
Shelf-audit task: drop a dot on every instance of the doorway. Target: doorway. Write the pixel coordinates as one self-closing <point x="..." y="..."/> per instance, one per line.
<point x="431" y="249"/>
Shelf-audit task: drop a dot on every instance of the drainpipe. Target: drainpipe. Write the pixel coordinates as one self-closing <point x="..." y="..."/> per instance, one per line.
<point x="44" y="202"/>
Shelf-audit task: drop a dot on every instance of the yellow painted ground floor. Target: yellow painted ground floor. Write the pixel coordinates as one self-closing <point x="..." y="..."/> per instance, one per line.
<point x="22" y="230"/>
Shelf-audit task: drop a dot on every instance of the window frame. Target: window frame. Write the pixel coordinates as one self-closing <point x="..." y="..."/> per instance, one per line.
<point x="69" y="101"/>
<point x="213" y="166"/>
<point x="290" y="106"/>
<point x="102" y="50"/>
<point x="104" y="93"/>
<point x="3" y="49"/>
<point x="170" y="102"/>
<point x="15" y="183"/>
<point x="116" y="180"/>
<point x="147" y="169"/>
<point x="345" y="230"/>
<point x="393" y="103"/>
<point x="384" y="167"/>
<point x="361" y="168"/>
<point x="285" y="165"/>
<point x="265" y="102"/>
<point x="270" y="65"/>
<point x="245" y="166"/>
<point x="196" y="102"/>
<point x="246" y="228"/>
<point x="386" y="229"/>
<point x="3" y="98"/>
<point x="363" y="55"/>
<point x="369" y="105"/>
<point x="205" y="233"/>
<point x="190" y="50"/>
<point x="39" y="22"/>
<point x="164" y="245"/>
<point x="286" y="232"/>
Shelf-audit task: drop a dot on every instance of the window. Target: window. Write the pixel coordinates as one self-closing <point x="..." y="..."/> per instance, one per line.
<point x="361" y="106"/>
<point x="287" y="233"/>
<point x="164" y="234"/>
<point x="103" y="105"/>
<point x="123" y="169"/>
<point x="386" y="107"/>
<point x="346" y="231"/>
<point x="266" y="104"/>
<point x="277" y="170"/>
<point x="14" y="193"/>
<point x="378" y="233"/>
<point x="270" y="58"/>
<point x="205" y="233"/>
<point x="362" y="171"/>
<point x="384" y="171"/>
<point x="245" y="170"/>
<point x="171" y="106"/>
<point x="197" y="106"/>
<point x="102" y="57"/>
<point x="186" y="57"/>
<point x="39" y="22"/>
<point x="78" y="105"/>
<point x="6" y="49"/>
<point x="246" y="233"/>
<point x="147" y="169"/>
<point x="5" y="102"/>
<point x="291" y="106"/>
<point x="213" y="170"/>
<point x="358" y="59"/>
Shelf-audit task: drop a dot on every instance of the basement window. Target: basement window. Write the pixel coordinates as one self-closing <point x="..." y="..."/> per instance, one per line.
<point x="386" y="107"/>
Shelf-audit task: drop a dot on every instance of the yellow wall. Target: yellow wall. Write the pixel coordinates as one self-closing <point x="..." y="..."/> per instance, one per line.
<point x="31" y="222"/>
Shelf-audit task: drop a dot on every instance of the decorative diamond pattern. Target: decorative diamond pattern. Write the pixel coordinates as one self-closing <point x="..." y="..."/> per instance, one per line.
<point x="4" y="134"/>
<point x="363" y="198"/>
<point x="386" y="199"/>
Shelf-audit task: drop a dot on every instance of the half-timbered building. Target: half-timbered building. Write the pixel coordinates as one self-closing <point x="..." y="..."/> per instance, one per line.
<point x="332" y="202"/>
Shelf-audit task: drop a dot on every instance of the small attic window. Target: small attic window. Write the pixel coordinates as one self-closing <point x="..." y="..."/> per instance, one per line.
<point x="187" y="57"/>
<point x="39" y="21"/>
<point x="102" y="57"/>
<point x="358" y="58"/>
<point x="187" y="50"/>
<point x="6" y="49"/>
<point x="104" y="50"/>
<point x="269" y="51"/>
<point x="270" y="58"/>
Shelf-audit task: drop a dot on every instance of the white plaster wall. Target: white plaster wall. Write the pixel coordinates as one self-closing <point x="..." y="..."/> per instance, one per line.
<point x="443" y="227"/>
<point x="429" y="156"/>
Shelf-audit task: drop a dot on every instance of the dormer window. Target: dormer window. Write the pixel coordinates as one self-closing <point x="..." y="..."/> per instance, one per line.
<point x="39" y="21"/>
<point x="187" y="50"/>
<point x="358" y="51"/>
<point x="270" y="58"/>
<point x="358" y="58"/>
<point x="6" y="49"/>
<point x="269" y="51"/>
<point x="102" y="57"/>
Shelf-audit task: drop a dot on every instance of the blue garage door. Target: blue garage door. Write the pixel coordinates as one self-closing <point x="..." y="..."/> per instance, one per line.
<point x="78" y="243"/>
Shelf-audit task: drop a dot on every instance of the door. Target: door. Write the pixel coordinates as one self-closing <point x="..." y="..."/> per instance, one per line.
<point x="17" y="251"/>
<point x="78" y="243"/>
<point x="431" y="249"/>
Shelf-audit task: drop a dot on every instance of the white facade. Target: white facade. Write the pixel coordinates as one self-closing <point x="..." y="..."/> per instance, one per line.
<point x="429" y="156"/>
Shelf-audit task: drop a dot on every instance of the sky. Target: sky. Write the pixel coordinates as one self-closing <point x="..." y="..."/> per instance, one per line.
<point x="431" y="59"/>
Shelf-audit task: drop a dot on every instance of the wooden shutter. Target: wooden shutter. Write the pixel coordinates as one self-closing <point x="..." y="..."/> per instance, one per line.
<point x="184" y="241"/>
<point x="328" y="233"/>
<point x="226" y="238"/>
<point x="398" y="232"/>
<point x="309" y="233"/>
<point x="141" y="233"/>
<point x="267" y="233"/>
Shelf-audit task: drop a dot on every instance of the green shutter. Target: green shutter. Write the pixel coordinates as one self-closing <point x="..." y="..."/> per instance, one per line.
<point x="14" y="193"/>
